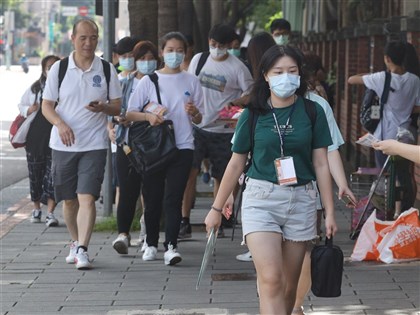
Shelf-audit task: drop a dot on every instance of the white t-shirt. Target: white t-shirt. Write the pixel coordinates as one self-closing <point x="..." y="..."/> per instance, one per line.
<point x="27" y="100"/>
<point x="336" y="136"/>
<point x="172" y="88"/>
<point x="222" y="82"/>
<point x="397" y="110"/>
<point x="77" y="90"/>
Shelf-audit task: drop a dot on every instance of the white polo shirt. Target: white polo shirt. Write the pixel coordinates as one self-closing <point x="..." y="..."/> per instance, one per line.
<point x="77" y="90"/>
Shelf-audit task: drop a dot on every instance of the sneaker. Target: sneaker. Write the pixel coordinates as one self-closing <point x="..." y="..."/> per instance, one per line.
<point x="205" y="178"/>
<point x="144" y="246"/>
<point x="121" y="244"/>
<point x="184" y="230"/>
<point x="171" y="256"/>
<point x="82" y="260"/>
<point x="50" y="220"/>
<point x="245" y="256"/>
<point x="72" y="254"/>
<point x="150" y="253"/>
<point x="36" y="216"/>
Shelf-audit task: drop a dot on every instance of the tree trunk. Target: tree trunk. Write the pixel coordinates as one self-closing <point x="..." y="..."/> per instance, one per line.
<point x="143" y="19"/>
<point x="202" y="9"/>
<point x="167" y="17"/>
<point x="217" y="12"/>
<point x="186" y="16"/>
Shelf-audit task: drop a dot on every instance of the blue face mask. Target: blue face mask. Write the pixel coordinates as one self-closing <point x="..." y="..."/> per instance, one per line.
<point x="281" y="39"/>
<point x="146" y="66"/>
<point x="173" y="59"/>
<point x="126" y="63"/>
<point x="235" y="52"/>
<point x="284" y="85"/>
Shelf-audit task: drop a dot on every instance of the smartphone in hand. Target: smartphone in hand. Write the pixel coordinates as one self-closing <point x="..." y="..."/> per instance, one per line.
<point x="93" y="103"/>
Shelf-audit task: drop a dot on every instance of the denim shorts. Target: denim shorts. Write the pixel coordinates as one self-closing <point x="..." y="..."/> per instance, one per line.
<point x="77" y="173"/>
<point x="291" y="211"/>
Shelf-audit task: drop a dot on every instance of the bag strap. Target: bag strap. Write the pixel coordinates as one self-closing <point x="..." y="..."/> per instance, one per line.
<point x="385" y="93"/>
<point x="64" y="64"/>
<point x="154" y="78"/>
<point x="201" y="62"/>
<point x="310" y="110"/>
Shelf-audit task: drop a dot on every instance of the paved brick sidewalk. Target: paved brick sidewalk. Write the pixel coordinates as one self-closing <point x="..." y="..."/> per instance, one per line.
<point x="36" y="280"/>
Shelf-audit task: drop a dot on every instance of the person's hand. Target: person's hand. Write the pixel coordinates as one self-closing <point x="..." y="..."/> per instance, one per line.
<point x="96" y="106"/>
<point x="346" y="195"/>
<point x="388" y="147"/>
<point x="191" y="109"/>
<point x="32" y="108"/>
<point x="153" y="119"/>
<point x="213" y="220"/>
<point x="66" y="133"/>
<point x="111" y="134"/>
<point x="330" y="226"/>
<point x="227" y="208"/>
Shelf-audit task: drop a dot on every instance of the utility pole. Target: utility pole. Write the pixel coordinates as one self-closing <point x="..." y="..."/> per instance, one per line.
<point x="109" y="39"/>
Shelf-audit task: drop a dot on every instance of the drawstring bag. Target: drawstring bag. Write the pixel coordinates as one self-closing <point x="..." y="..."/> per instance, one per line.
<point x="327" y="269"/>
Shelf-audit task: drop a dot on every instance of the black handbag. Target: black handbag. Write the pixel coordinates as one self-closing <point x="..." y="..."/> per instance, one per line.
<point x="152" y="147"/>
<point x="326" y="269"/>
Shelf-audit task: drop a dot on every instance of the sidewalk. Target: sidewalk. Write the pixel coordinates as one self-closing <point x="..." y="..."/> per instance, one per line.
<point x="36" y="280"/>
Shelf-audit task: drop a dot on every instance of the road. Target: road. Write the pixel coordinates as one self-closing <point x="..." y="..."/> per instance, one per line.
<point x="13" y="167"/>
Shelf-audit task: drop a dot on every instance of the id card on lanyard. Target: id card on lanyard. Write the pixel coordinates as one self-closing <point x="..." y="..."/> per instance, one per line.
<point x="284" y="165"/>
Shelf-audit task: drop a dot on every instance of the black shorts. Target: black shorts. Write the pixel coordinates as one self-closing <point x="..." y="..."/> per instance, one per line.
<point x="217" y="147"/>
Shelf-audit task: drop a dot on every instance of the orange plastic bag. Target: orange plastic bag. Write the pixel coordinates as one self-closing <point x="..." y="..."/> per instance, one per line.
<point x="365" y="247"/>
<point x="401" y="241"/>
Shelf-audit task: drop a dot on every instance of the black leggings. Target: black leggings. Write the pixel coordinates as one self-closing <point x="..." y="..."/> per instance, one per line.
<point x="130" y="184"/>
<point x="164" y="190"/>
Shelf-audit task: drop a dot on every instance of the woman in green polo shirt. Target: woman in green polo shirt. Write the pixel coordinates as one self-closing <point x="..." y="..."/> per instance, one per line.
<point x="279" y="202"/>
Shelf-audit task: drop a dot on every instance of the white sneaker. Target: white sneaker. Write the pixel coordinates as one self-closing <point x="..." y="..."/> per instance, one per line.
<point x="121" y="244"/>
<point x="144" y="246"/>
<point x="82" y="260"/>
<point x="245" y="256"/>
<point x="150" y="253"/>
<point x="171" y="256"/>
<point x="50" y="220"/>
<point x="72" y="254"/>
<point x="36" y="216"/>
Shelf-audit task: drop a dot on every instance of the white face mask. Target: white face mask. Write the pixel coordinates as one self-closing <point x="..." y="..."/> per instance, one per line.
<point x="284" y="85"/>
<point x="281" y="39"/>
<point x="217" y="52"/>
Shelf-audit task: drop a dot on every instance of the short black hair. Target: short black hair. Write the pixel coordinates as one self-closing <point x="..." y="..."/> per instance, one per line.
<point x="222" y="33"/>
<point x="395" y="50"/>
<point x="280" y="24"/>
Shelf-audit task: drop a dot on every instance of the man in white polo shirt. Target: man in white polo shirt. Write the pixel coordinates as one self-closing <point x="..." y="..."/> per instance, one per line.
<point x="79" y="138"/>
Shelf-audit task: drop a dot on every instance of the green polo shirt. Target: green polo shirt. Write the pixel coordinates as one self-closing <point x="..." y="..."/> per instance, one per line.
<point x="299" y="141"/>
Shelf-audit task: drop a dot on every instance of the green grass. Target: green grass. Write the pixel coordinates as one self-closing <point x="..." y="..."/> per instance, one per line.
<point x="110" y="224"/>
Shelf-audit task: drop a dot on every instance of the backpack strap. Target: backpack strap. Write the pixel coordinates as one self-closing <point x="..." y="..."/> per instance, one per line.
<point x="252" y="124"/>
<point x="64" y="63"/>
<point x="154" y="78"/>
<point x="107" y="72"/>
<point x="385" y="93"/>
<point x="201" y="62"/>
<point x="310" y="110"/>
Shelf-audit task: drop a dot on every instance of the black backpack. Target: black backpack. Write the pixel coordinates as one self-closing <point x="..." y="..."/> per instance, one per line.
<point x="201" y="62"/>
<point x="373" y="107"/>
